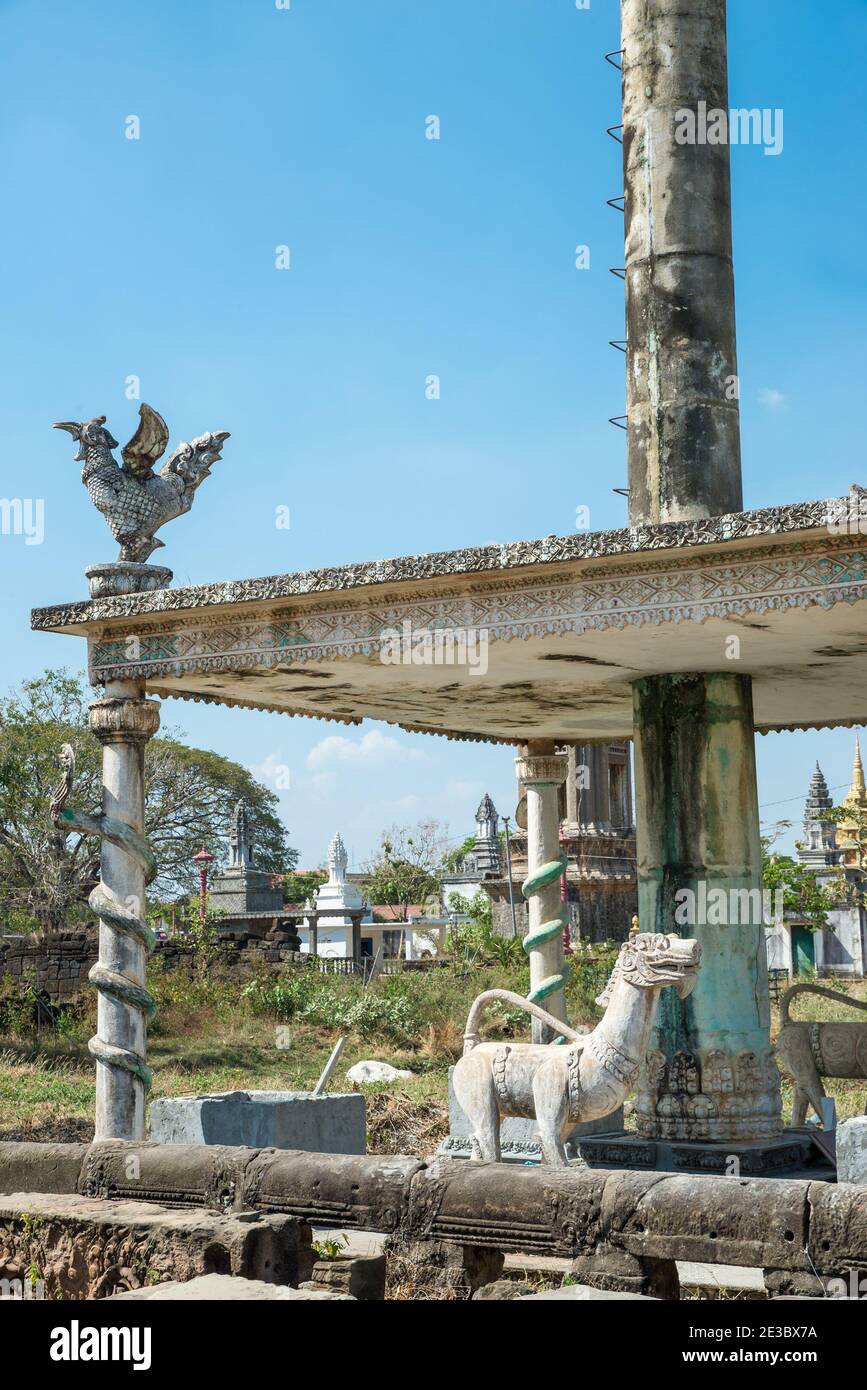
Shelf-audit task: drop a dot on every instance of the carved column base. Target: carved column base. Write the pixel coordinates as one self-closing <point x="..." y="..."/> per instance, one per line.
<point x="717" y="1097"/>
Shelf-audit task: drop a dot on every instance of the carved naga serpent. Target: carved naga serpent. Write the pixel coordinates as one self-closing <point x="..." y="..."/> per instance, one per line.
<point x="110" y="982"/>
<point x="546" y="931"/>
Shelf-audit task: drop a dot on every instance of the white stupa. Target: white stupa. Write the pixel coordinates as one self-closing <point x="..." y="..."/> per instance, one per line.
<point x="336" y="898"/>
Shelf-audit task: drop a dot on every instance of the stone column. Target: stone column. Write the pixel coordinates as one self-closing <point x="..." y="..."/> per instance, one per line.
<point x="542" y="773"/>
<point x="123" y="721"/>
<point x="312" y="922"/>
<point x="709" y="1073"/>
<point x="572" y="785"/>
<point x="681" y="361"/>
<point x="355" y="937"/>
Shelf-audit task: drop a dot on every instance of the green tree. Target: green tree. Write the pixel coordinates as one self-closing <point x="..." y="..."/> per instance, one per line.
<point x="299" y="886"/>
<point x="46" y="875"/>
<point x="452" y="860"/>
<point x="405" y="871"/>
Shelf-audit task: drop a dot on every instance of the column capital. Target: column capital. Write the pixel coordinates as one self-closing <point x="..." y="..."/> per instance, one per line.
<point x="534" y="770"/>
<point x="124" y="719"/>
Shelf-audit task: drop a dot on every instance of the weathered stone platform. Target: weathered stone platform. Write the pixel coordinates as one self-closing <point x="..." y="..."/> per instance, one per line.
<point x="793" y="1154"/>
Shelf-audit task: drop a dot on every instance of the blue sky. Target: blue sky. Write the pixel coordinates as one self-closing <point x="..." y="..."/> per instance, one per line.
<point x="306" y="127"/>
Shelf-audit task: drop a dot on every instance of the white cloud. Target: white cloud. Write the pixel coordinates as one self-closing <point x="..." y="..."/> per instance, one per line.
<point x="373" y="749"/>
<point x="274" y="770"/>
<point x="773" y="399"/>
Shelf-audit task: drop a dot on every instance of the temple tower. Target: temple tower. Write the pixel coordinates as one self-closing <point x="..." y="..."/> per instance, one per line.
<point x="819" y="840"/>
<point x="486" y="850"/>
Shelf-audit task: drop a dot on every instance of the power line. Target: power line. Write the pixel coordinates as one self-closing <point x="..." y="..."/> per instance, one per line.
<point x="786" y="799"/>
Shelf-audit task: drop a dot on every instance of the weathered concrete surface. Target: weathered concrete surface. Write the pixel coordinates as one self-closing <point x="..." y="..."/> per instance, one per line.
<point x="85" y="1248"/>
<point x="851" y="1137"/>
<point x="593" y="611"/>
<point x="331" y="1123"/>
<point x="228" y="1288"/>
<point x="709" y="1074"/>
<point x="683" y="422"/>
<point x="341" y="1191"/>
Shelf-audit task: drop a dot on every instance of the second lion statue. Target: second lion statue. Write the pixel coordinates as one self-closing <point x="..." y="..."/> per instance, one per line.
<point x="591" y="1075"/>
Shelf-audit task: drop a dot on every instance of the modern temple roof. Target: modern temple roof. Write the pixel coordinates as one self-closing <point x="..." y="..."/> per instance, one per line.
<point x="567" y="623"/>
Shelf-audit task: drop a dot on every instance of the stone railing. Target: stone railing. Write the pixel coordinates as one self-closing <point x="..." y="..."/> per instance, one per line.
<point x="620" y="1230"/>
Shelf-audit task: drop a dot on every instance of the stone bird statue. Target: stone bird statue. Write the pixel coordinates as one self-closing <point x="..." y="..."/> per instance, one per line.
<point x="135" y="500"/>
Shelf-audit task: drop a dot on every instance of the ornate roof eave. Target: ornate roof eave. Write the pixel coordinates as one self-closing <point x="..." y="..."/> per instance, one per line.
<point x="734" y="528"/>
<point x="568" y="625"/>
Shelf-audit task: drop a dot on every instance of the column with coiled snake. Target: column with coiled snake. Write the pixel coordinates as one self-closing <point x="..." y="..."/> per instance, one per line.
<point x="542" y="774"/>
<point x="123" y="722"/>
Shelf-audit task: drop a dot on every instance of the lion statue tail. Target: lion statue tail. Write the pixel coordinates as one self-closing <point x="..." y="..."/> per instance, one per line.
<point x="790" y="994"/>
<point x="507" y="996"/>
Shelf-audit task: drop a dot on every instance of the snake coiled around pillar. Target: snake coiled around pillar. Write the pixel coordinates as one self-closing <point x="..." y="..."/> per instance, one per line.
<point x="548" y="873"/>
<point x="110" y="982"/>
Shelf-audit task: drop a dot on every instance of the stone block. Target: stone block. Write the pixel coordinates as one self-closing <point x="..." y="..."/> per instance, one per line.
<point x="439" y="1269"/>
<point x="361" y="1276"/>
<point x="851" y="1139"/>
<point x="84" y="1247"/>
<point x="333" y="1123"/>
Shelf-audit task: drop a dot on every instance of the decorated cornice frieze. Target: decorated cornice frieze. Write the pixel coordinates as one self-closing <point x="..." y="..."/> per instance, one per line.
<point x="690" y="589"/>
<point x="832" y="518"/>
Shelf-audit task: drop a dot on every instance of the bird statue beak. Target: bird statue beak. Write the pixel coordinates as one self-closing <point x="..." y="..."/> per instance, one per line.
<point x="70" y="426"/>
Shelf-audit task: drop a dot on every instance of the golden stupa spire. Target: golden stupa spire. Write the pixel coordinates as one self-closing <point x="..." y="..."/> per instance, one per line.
<point x="857" y="794"/>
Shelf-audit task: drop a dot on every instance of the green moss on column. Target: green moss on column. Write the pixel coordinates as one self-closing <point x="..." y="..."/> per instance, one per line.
<point x="710" y="1073"/>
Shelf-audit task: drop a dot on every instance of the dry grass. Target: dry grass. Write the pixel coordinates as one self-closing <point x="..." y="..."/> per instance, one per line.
<point x="443" y="1040"/>
<point x="398" y="1124"/>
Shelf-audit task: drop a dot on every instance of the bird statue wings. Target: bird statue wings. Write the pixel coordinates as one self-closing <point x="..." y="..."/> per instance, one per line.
<point x="135" y="500"/>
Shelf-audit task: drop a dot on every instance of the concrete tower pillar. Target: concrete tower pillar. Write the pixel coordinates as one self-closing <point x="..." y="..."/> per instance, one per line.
<point x="710" y="1074"/>
<point x="681" y="360"/>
